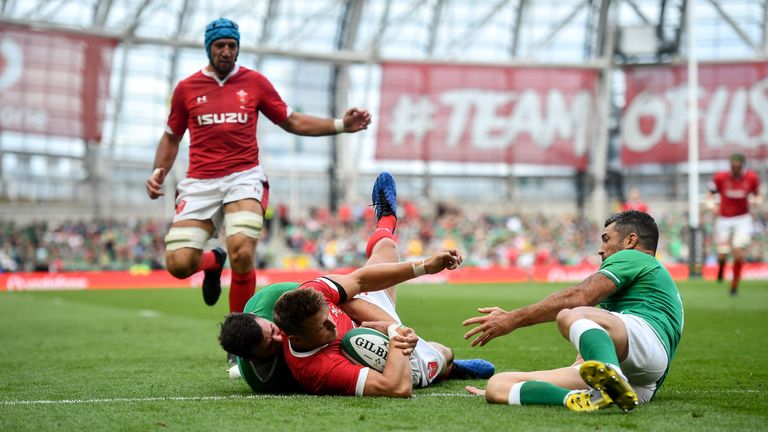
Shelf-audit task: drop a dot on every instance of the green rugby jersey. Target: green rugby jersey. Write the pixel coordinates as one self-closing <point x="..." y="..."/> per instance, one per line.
<point x="273" y="377"/>
<point x="646" y="289"/>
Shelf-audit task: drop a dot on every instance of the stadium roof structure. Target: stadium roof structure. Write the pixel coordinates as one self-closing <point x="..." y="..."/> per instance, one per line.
<point x="323" y="55"/>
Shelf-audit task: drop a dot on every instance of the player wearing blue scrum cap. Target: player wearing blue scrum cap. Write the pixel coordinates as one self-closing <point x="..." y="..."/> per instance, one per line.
<point x="221" y="28"/>
<point x="225" y="184"/>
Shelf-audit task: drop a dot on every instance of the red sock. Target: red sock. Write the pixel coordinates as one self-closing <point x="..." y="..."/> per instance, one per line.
<point x="241" y="289"/>
<point x="385" y="228"/>
<point x="208" y="261"/>
<point x="737" y="265"/>
<point x="387" y="222"/>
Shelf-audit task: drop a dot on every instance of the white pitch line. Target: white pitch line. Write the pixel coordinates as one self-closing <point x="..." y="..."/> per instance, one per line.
<point x="146" y="399"/>
<point x="265" y="396"/>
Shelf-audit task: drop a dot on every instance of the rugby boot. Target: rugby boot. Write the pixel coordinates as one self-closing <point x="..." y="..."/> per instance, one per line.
<point x="384" y="196"/>
<point x="604" y="378"/>
<point x="471" y="369"/>
<point x="587" y="401"/>
<point x="212" y="280"/>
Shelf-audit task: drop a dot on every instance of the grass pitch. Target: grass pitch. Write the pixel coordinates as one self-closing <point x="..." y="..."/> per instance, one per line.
<point x="149" y="360"/>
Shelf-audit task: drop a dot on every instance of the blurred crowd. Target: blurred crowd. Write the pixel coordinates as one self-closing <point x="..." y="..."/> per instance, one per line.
<point x="321" y="239"/>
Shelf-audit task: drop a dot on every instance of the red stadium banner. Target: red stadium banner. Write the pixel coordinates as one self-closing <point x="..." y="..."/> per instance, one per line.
<point x="561" y="273"/>
<point x="486" y="114"/>
<point x="53" y="83"/>
<point x="39" y="281"/>
<point x="733" y="112"/>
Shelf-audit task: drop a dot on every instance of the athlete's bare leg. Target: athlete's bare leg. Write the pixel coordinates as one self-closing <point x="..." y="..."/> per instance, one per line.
<point x="385" y="251"/>
<point x="242" y="249"/>
<point x="184" y="262"/>
<point x="499" y="386"/>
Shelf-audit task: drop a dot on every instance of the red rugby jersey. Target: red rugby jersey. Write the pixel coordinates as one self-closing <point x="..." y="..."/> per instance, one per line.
<point x="325" y="370"/>
<point x="221" y="117"/>
<point x="734" y="191"/>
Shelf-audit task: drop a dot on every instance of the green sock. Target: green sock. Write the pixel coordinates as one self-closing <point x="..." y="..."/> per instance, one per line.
<point x="542" y="393"/>
<point x="595" y="344"/>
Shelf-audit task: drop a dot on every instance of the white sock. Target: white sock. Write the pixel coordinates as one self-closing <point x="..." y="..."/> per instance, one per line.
<point x="579" y="327"/>
<point x="514" y="394"/>
<point x="234" y="372"/>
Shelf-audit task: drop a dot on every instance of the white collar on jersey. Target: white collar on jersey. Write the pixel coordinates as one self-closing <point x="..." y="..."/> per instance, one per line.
<point x="213" y="75"/>
<point x="302" y="354"/>
<point x="271" y="365"/>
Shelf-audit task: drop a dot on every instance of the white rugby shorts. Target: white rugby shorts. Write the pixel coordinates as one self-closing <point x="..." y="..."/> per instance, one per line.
<point x="426" y="360"/>
<point x="204" y="199"/>
<point x="647" y="358"/>
<point x="740" y="227"/>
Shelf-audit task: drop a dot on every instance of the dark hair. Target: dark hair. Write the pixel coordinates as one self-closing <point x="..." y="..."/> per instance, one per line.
<point x="640" y="223"/>
<point x="294" y="307"/>
<point x="240" y="334"/>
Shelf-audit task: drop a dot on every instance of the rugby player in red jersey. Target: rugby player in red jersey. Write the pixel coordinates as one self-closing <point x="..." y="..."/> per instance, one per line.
<point x="314" y="323"/>
<point x="734" y="226"/>
<point x="318" y="317"/>
<point x="225" y="185"/>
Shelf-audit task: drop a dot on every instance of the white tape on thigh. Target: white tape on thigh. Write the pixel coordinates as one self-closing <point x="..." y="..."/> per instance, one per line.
<point x="245" y="222"/>
<point x="186" y="237"/>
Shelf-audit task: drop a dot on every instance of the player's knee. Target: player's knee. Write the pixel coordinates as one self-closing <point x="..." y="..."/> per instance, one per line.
<point x="241" y="255"/>
<point x="247" y="223"/>
<point x="565" y="318"/>
<point x="446" y="352"/>
<point x="181" y="265"/>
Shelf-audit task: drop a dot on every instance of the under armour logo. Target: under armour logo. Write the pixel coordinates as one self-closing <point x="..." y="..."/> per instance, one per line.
<point x="202" y="99"/>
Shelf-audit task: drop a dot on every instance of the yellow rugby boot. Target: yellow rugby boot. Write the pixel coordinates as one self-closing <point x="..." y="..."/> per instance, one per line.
<point x="586" y="401"/>
<point x="602" y="377"/>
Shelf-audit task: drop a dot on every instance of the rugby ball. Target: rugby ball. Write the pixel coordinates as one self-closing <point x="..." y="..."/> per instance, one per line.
<point x="366" y="347"/>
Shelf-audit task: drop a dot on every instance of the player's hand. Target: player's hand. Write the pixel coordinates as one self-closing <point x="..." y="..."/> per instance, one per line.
<point x="405" y="340"/>
<point x="497" y="322"/>
<point x="155" y="183"/>
<point x="356" y="120"/>
<point x="443" y="259"/>
<point x="475" y="391"/>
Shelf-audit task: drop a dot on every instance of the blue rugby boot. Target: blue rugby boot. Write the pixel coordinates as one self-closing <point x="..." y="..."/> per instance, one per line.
<point x="471" y="369"/>
<point x="384" y="196"/>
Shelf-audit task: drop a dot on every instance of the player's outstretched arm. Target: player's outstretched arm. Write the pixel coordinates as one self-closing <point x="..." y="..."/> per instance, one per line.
<point x="381" y="276"/>
<point x="396" y="379"/>
<point x="354" y="120"/>
<point x="165" y="156"/>
<point x="498" y="322"/>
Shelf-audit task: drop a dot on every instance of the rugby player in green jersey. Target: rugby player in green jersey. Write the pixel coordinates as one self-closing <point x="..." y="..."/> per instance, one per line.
<point x="625" y="345"/>
<point x="264" y="370"/>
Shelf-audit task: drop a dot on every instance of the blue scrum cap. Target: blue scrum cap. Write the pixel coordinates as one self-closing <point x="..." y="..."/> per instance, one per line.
<point x="221" y="28"/>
